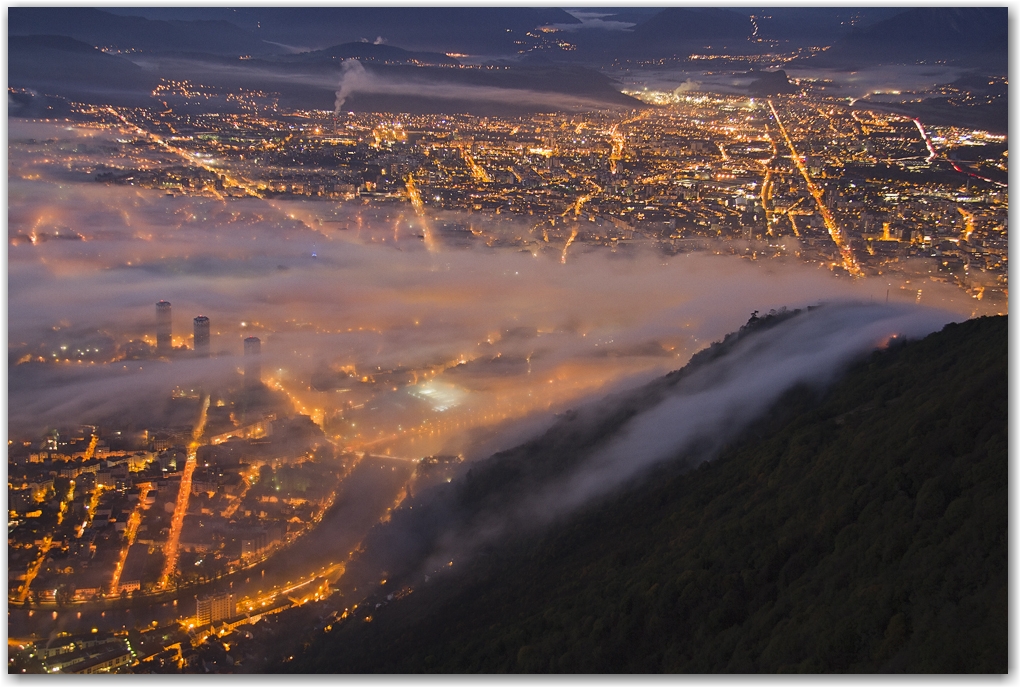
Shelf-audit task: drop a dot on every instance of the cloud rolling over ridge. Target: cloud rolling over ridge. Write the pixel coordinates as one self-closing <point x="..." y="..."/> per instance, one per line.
<point x="605" y="444"/>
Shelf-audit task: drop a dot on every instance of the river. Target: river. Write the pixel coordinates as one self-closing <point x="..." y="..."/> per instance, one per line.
<point x="362" y="499"/>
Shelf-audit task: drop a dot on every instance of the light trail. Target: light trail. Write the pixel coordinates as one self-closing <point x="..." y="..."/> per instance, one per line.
<point x="240" y="182"/>
<point x="255" y="604"/>
<point x="828" y="118"/>
<point x="932" y="154"/>
<point x="232" y="508"/>
<point x="90" y="509"/>
<point x="173" y="539"/>
<point x="332" y="571"/>
<point x="792" y="207"/>
<point x="33" y="569"/>
<point x="793" y="224"/>
<point x="766" y="196"/>
<point x="655" y="179"/>
<point x="566" y="246"/>
<point x="789" y="212"/>
<point x="63" y="504"/>
<point x="927" y="141"/>
<point x="976" y="176"/>
<point x="90" y="452"/>
<point x="129" y="535"/>
<point x="618" y="142"/>
<point x="477" y="171"/>
<point x="396" y="227"/>
<point x="414" y="195"/>
<point x="838" y="237"/>
<point x="968" y="220"/>
<point x="576" y="207"/>
<point x="766" y="184"/>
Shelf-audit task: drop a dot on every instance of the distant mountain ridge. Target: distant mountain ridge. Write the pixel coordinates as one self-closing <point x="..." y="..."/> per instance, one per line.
<point x="677" y="24"/>
<point x="478" y="30"/>
<point x="968" y="36"/>
<point x="372" y="52"/>
<point x="104" y="29"/>
<point x="393" y="79"/>
<point x="672" y="32"/>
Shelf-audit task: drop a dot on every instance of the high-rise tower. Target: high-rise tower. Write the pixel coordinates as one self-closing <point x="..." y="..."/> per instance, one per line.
<point x="202" y="336"/>
<point x="252" y="361"/>
<point x="164" y="342"/>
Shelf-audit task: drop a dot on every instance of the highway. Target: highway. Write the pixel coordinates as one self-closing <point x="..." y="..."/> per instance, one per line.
<point x="932" y="154"/>
<point x="927" y="140"/>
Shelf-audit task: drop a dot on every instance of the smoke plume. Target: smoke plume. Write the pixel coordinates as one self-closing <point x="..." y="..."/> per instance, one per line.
<point x="352" y="76"/>
<point x="687" y="86"/>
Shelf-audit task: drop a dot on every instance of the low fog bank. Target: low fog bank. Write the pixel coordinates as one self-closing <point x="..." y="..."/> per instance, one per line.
<point x="843" y="83"/>
<point x="605" y="445"/>
<point x="365" y="312"/>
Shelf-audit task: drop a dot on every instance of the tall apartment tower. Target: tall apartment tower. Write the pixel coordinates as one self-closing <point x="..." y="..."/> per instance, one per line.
<point x="252" y="361"/>
<point x="164" y="342"/>
<point x="202" y="336"/>
<point x="215" y="607"/>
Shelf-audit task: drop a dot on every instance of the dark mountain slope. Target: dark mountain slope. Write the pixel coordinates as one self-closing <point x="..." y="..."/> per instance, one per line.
<point x="70" y="68"/>
<point x="679" y="24"/>
<point x="667" y="33"/>
<point x="498" y="491"/>
<point x="967" y="36"/>
<point x="674" y="31"/>
<point x="861" y="531"/>
<point x="815" y="25"/>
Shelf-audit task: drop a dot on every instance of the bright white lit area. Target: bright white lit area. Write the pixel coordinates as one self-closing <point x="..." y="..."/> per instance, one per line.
<point x="440" y="396"/>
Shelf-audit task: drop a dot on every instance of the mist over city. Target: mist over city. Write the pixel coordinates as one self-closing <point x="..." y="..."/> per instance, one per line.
<point x="305" y="306"/>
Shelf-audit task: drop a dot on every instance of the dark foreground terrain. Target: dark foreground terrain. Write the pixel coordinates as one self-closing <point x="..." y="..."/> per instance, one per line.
<point x="861" y="531"/>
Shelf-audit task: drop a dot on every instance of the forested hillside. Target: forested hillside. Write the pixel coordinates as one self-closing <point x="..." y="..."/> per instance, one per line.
<point x="864" y="530"/>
